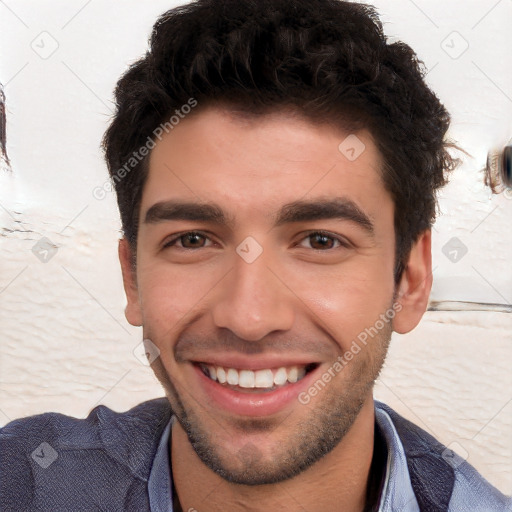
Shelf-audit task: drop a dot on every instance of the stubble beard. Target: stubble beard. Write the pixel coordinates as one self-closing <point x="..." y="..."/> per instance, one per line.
<point x="330" y="417"/>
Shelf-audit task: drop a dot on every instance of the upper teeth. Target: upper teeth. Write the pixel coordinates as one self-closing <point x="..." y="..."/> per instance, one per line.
<point x="255" y="379"/>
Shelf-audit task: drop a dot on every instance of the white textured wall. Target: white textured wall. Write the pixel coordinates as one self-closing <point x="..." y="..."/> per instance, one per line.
<point x="65" y="345"/>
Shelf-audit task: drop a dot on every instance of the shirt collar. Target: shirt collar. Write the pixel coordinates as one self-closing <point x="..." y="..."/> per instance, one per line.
<point x="159" y="482"/>
<point x="397" y="493"/>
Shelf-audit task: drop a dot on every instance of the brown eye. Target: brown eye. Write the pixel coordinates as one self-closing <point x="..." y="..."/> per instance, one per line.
<point x="191" y="240"/>
<point x="194" y="239"/>
<point x="321" y="241"/>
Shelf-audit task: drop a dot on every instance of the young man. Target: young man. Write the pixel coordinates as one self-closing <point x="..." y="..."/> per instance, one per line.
<point x="276" y="164"/>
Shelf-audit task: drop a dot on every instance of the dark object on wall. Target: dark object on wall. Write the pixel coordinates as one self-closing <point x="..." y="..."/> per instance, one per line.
<point x="3" y="135"/>
<point x="507" y="166"/>
<point x="498" y="171"/>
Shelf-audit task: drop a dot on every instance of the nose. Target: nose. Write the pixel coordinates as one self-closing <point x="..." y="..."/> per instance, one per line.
<point x="253" y="301"/>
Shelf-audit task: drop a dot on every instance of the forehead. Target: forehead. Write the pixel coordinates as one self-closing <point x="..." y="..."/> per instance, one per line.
<point x="254" y="165"/>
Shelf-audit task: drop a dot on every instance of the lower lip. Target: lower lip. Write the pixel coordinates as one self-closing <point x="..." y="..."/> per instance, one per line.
<point x="253" y="403"/>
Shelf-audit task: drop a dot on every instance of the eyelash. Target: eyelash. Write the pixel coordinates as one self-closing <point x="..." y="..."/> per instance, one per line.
<point x="342" y="242"/>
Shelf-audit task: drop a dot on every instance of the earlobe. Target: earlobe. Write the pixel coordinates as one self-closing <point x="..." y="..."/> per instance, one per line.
<point x="132" y="311"/>
<point x="415" y="285"/>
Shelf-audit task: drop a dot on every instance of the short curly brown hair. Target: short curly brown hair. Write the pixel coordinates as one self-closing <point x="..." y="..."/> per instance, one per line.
<point x="327" y="59"/>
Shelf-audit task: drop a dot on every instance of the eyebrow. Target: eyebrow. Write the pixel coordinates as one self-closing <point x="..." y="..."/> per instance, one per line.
<point x="335" y="208"/>
<point x="296" y="211"/>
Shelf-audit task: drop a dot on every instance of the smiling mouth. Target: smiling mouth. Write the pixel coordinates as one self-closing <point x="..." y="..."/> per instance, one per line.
<point x="264" y="380"/>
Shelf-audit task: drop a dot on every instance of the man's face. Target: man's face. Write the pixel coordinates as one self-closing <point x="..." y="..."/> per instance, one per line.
<point x="258" y="288"/>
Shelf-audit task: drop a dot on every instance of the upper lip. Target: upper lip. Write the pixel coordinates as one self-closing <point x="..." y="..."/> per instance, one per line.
<point x="254" y="363"/>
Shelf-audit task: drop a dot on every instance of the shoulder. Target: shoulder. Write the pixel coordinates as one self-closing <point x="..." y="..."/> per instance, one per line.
<point x="51" y="457"/>
<point x="440" y="478"/>
<point x="102" y="428"/>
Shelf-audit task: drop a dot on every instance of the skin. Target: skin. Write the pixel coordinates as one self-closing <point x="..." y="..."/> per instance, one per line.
<point x="303" y="295"/>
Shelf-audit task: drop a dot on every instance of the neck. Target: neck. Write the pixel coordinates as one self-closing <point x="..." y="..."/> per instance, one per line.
<point x="337" y="482"/>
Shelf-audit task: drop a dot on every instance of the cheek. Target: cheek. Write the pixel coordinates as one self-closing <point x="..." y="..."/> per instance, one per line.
<point x="346" y="303"/>
<point x="171" y="294"/>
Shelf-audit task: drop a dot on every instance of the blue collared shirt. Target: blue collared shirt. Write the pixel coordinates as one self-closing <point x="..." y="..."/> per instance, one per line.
<point x="470" y="493"/>
<point x="113" y="461"/>
<point x="397" y="493"/>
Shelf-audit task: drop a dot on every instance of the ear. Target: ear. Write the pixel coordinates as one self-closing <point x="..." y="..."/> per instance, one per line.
<point x="132" y="311"/>
<point x="415" y="285"/>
